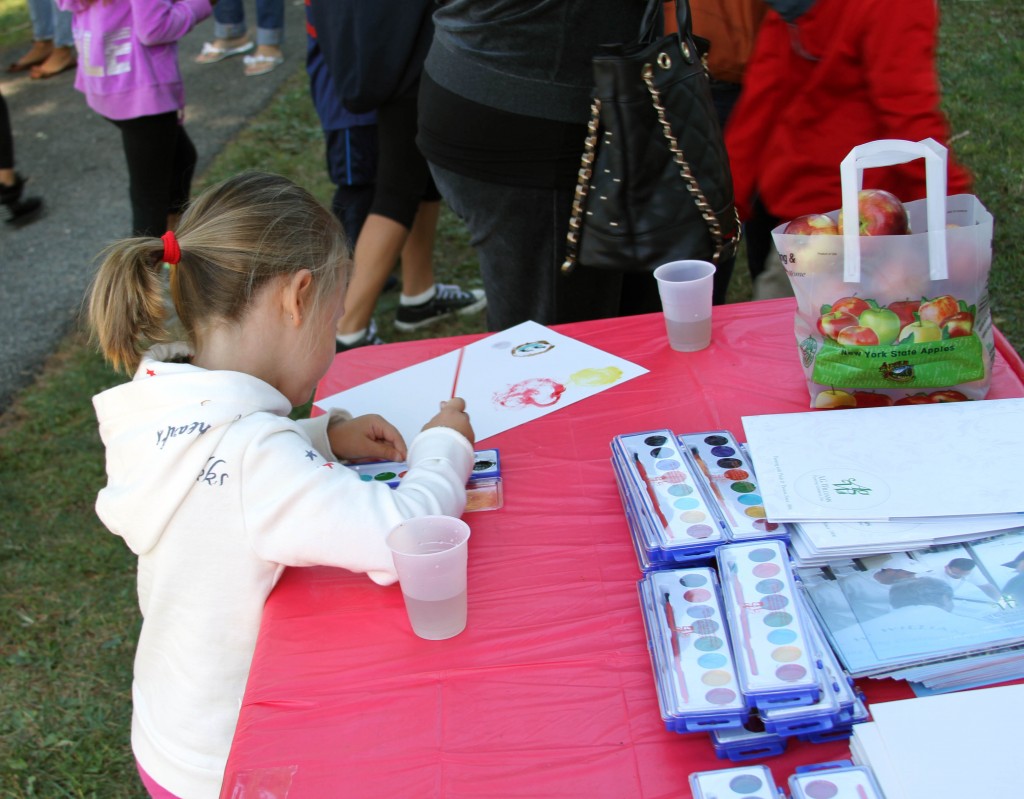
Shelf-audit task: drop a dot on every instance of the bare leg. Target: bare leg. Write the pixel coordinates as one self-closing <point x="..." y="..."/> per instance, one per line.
<point x="418" y="253"/>
<point x="380" y="242"/>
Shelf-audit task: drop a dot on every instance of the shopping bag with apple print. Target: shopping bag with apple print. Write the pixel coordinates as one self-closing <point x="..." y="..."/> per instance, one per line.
<point x="898" y="318"/>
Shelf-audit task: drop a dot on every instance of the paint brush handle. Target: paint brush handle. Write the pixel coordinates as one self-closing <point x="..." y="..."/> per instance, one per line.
<point x="670" y="618"/>
<point x="651" y="494"/>
<point x="458" y="368"/>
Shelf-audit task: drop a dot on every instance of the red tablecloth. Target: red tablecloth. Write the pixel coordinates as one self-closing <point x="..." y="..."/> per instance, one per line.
<point x="549" y="691"/>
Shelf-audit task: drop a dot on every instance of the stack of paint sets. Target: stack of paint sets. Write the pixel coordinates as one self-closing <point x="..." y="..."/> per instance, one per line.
<point x="685" y="496"/>
<point x="737" y="655"/>
<point x="835" y="780"/>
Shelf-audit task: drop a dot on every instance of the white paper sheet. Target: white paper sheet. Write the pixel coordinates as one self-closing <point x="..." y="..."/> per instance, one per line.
<point x="899" y="462"/>
<point x="949" y="746"/>
<point x="507" y="379"/>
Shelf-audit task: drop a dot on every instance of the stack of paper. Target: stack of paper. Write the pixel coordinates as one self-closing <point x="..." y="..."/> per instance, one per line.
<point x="889" y="479"/>
<point x="943" y="747"/>
<point x="818" y="543"/>
<point x="948" y="616"/>
<point x="883" y="464"/>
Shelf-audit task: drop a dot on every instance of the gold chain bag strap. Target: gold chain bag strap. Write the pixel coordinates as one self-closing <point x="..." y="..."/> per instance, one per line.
<point x="640" y="201"/>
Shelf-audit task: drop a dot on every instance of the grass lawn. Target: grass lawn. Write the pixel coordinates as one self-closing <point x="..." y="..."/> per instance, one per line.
<point x="68" y="611"/>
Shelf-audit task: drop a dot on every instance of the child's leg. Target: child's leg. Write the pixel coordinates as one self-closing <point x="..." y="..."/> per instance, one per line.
<point x="182" y="169"/>
<point x="150" y="145"/>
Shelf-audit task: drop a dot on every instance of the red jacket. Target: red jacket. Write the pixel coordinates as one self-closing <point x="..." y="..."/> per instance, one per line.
<point x="848" y="72"/>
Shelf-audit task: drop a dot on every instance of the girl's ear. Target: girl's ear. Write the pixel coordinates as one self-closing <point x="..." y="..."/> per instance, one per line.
<point x="296" y="296"/>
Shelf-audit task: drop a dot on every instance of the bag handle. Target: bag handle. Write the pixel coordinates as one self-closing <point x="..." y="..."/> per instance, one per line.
<point x="889" y="152"/>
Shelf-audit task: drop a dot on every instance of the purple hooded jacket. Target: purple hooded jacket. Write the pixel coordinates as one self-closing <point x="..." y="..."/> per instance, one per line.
<point x="128" y="53"/>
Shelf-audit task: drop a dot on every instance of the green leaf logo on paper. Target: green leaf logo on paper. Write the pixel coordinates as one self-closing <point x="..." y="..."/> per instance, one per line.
<point x="842" y="488"/>
<point x="850" y="486"/>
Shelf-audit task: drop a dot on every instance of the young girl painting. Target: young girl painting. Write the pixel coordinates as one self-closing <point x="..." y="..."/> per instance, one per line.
<point x="210" y="482"/>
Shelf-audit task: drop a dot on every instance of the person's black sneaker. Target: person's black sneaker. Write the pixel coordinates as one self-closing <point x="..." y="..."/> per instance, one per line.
<point x="22" y="210"/>
<point x="368" y="338"/>
<point x="447" y="300"/>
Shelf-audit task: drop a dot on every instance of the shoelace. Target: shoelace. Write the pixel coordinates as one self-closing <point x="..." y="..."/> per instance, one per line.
<point x="450" y="292"/>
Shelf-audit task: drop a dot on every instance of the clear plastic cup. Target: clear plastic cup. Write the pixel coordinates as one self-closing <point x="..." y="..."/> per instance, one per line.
<point x="685" y="290"/>
<point x="431" y="556"/>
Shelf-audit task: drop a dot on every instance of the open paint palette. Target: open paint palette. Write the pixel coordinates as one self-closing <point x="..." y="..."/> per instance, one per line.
<point x="483" y="490"/>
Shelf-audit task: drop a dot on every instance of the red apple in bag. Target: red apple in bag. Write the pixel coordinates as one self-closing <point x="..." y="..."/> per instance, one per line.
<point x="959" y="324"/>
<point x="881" y="214"/>
<point x="938" y="309"/>
<point x="831" y="324"/>
<point x="905" y="310"/>
<point x="812" y="225"/>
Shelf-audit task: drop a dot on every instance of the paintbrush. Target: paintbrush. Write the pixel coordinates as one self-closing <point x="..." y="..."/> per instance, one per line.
<point x="744" y="618"/>
<point x="458" y="368"/>
<point x="651" y="494"/>
<point x="670" y="618"/>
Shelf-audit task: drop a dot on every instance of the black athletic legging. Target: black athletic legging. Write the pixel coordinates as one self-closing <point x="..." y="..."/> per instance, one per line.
<point x="161" y="159"/>
<point x="6" y="139"/>
<point x="403" y="177"/>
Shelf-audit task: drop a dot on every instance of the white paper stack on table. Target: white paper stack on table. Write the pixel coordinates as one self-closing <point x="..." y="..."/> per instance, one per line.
<point x="944" y="747"/>
<point x="909" y="533"/>
<point x="890" y="479"/>
<point x="948" y="617"/>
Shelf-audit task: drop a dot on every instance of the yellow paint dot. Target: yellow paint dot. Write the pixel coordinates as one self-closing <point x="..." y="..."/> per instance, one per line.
<point x="693" y="516"/>
<point x="596" y="377"/>
<point x="755" y="512"/>
<point x="787" y="654"/>
<point x="716" y="677"/>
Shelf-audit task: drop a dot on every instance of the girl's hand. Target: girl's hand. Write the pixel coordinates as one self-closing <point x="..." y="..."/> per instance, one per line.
<point x="369" y="436"/>
<point x="453" y="414"/>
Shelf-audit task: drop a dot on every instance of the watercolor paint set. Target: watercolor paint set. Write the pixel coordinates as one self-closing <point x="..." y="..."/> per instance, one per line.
<point x="729" y="473"/>
<point x="694" y="671"/>
<point x="671" y="514"/>
<point x="744" y="782"/>
<point x="837" y="780"/>
<point x="684" y="496"/>
<point x="773" y="651"/>
<point x="483" y="489"/>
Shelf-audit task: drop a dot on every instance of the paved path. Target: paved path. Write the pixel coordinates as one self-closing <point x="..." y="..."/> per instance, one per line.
<point x="75" y="162"/>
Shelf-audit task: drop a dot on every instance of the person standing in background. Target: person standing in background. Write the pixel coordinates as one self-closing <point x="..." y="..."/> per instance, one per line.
<point x="350" y="140"/>
<point x="504" y="104"/>
<point x="52" y="50"/>
<point x="21" y="210"/>
<point x="128" y="72"/>
<point x="826" y="76"/>
<point x="374" y="59"/>
<point x="731" y="28"/>
<point x="231" y="36"/>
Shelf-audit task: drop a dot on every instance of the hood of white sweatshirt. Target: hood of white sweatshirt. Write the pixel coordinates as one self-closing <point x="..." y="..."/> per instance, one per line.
<point x="160" y="431"/>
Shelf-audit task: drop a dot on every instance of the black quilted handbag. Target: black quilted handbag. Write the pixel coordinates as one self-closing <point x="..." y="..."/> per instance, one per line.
<point x="654" y="182"/>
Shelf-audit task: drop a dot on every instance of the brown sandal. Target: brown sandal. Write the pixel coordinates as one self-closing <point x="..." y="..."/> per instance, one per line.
<point x="48" y="70"/>
<point x="37" y="54"/>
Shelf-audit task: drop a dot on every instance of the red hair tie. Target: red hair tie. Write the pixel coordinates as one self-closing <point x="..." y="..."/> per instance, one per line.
<point x="172" y="252"/>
